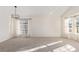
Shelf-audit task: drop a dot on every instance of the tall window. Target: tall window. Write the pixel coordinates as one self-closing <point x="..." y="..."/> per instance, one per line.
<point x="22" y="27"/>
<point x="77" y="24"/>
<point x="68" y="25"/>
<point x="72" y="25"/>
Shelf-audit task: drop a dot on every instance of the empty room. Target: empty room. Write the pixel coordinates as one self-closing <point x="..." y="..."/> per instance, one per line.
<point x="39" y="29"/>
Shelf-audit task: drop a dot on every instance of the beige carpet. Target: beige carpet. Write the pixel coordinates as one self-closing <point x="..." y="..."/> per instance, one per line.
<point x="39" y="44"/>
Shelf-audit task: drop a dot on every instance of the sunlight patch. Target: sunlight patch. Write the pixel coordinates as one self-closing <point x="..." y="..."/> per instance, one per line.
<point x="65" y="48"/>
<point x="43" y="46"/>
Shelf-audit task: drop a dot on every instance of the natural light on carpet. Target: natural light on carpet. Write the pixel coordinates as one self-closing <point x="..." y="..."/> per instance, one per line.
<point x="65" y="48"/>
<point x="43" y="46"/>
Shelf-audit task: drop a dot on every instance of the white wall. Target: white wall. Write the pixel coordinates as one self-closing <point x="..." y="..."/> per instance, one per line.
<point x="40" y="26"/>
<point x="45" y="26"/>
<point x="4" y="23"/>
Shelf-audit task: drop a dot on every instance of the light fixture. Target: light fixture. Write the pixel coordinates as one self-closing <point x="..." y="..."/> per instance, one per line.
<point x="15" y="15"/>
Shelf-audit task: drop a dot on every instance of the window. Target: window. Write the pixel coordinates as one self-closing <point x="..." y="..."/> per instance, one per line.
<point x="68" y="25"/>
<point x="22" y="27"/>
<point x="77" y="24"/>
<point x="72" y="25"/>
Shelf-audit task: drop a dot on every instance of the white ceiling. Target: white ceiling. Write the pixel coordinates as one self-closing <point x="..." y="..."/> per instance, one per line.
<point x="41" y="10"/>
